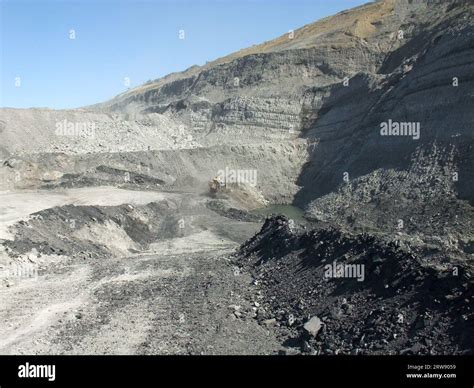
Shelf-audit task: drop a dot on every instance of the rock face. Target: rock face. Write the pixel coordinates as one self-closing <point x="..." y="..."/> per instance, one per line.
<point x="330" y="84"/>
<point x="334" y="84"/>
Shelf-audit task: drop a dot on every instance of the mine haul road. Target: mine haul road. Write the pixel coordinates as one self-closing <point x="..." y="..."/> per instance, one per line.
<point x="178" y="296"/>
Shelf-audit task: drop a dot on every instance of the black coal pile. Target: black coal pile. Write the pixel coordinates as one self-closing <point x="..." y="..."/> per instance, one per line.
<point x="332" y="292"/>
<point x="60" y="230"/>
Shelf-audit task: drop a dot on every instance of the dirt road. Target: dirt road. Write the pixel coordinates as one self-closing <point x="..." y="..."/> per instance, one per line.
<point x="180" y="295"/>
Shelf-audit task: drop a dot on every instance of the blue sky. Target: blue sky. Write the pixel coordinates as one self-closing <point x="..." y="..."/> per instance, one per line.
<point x="138" y="40"/>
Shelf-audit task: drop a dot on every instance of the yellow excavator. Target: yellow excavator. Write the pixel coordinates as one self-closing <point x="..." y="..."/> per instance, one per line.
<point x="215" y="184"/>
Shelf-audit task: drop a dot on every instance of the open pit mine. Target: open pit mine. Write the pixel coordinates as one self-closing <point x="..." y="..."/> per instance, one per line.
<point x="312" y="194"/>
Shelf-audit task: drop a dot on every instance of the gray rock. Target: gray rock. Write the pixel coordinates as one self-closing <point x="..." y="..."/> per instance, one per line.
<point x="313" y="326"/>
<point x="289" y="352"/>
<point x="269" y="322"/>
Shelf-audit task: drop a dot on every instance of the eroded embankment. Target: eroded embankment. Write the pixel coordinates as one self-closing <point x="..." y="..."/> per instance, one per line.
<point x="275" y="164"/>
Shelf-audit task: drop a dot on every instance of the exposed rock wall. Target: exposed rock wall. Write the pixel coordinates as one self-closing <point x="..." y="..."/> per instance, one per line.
<point x="332" y="83"/>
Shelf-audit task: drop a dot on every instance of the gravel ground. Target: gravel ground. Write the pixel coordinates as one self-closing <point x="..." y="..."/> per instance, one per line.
<point x="333" y="292"/>
<point x="105" y="288"/>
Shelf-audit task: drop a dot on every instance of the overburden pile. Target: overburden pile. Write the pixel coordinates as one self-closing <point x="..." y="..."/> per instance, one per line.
<point x="372" y="296"/>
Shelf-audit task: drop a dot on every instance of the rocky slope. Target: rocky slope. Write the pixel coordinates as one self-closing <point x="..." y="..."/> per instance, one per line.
<point x="400" y="300"/>
<point x="331" y="83"/>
